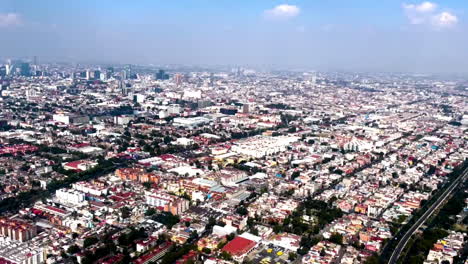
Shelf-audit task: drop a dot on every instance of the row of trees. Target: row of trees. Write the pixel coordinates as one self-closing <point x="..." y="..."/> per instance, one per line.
<point x="323" y="214"/>
<point x="25" y="199"/>
<point x="392" y="243"/>
<point x="444" y="220"/>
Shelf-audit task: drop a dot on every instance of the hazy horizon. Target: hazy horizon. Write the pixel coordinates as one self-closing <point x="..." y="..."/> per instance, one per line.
<point x="388" y="35"/>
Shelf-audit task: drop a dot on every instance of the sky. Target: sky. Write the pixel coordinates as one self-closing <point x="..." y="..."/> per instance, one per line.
<point x="356" y="35"/>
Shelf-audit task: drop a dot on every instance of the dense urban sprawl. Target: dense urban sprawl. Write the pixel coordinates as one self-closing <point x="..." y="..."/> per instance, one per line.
<point x="132" y="164"/>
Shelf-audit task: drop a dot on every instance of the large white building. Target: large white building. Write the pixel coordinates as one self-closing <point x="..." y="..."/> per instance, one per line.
<point x="190" y="122"/>
<point x="261" y="146"/>
<point x="69" y="196"/>
<point x="21" y="252"/>
<point x="70" y="119"/>
<point x="166" y="202"/>
<point x="90" y="188"/>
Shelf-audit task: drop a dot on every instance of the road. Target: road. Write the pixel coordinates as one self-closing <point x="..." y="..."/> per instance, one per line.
<point x="404" y="240"/>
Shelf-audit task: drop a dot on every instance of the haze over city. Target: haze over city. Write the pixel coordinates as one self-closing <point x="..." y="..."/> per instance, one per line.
<point x="364" y="35"/>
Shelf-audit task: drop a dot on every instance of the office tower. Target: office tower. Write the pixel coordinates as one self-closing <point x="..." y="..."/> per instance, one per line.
<point x="178" y="78"/>
<point x="313" y="79"/>
<point x="97" y="75"/>
<point x="8" y="69"/>
<point x="25" y="69"/>
<point x="109" y="72"/>
<point x="123" y="75"/>
<point x="161" y="75"/>
<point x="128" y="70"/>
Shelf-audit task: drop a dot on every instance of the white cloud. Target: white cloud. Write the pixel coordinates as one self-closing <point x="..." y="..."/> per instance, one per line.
<point x="283" y="11"/>
<point x="10" y="19"/>
<point x="427" y="14"/>
<point x="444" y="19"/>
<point x="424" y="7"/>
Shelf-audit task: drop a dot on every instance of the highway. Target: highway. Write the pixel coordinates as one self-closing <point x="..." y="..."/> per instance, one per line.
<point x="404" y="240"/>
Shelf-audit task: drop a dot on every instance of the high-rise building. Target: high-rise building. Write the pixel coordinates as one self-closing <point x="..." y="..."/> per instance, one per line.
<point x="123" y="75"/>
<point x="161" y="75"/>
<point x="246" y="108"/>
<point x="17" y="229"/>
<point x="313" y="79"/>
<point x="8" y="69"/>
<point x="128" y="70"/>
<point x="97" y="75"/>
<point x="178" y="78"/>
<point x="25" y="69"/>
<point x="109" y="72"/>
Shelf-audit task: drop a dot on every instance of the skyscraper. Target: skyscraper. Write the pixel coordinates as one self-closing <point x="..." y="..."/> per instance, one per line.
<point x="8" y="69"/>
<point x="25" y="69"/>
<point x="161" y="75"/>
<point x="178" y="78"/>
<point x="123" y="75"/>
<point x="97" y="75"/>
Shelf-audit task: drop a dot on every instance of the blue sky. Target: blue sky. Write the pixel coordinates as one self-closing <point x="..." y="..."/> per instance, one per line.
<point x="379" y="35"/>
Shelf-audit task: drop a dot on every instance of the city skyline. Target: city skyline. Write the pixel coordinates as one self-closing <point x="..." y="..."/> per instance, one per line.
<point x="150" y="133"/>
<point x="395" y="36"/>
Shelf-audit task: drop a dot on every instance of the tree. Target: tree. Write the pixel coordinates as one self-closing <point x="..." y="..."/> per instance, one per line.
<point x="254" y="231"/>
<point x="167" y="140"/>
<point x="303" y="250"/>
<point x="277" y="229"/>
<point x="372" y="260"/>
<point x="211" y="222"/>
<point x="73" y="249"/>
<point x="230" y="236"/>
<point x="295" y="174"/>
<point x="147" y="185"/>
<point x="225" y="255"/>
<point x="150" y="212"/>
<point x="292" y="256"/>
<point x="401" y="219"/>
<point x="90" y="241"/>
<point x="242" y="210"/>
<point x="167" y="219"/>
<point x="336" y="238"/>
<point x="416" y="259"/>
<point x="126" y="212"/>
